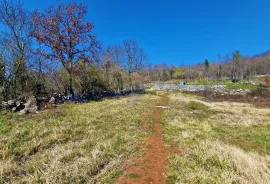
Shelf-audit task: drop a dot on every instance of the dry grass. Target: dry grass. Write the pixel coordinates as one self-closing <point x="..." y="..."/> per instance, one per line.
<point x="216" y="162"/>
<point x="219" y="142"/>
<point x="89" y="143"/>
<point x="82" y="143"/>
<point x="230" y="113"/>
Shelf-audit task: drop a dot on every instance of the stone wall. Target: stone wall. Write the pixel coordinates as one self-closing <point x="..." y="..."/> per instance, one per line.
<point x="184" y="87"/>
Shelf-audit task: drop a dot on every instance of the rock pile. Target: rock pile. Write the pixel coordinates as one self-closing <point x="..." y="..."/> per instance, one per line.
<point x="30" y="106"/>
<point x="219" y="89"/>
<point x="19" y="106"/>
<point x="184" y="87"/>
<point x="12" y="105"/>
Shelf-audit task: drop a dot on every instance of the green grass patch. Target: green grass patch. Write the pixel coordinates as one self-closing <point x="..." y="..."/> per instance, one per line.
<point x="240" y="86"/>
<point x="197" y="106"/>
<point x="133" y="175"/>
<point x="254" y="138"/>
<point x="193" y="96"/>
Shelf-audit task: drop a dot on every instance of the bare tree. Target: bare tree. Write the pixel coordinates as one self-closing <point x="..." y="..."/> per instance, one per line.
<point x="15" y="40"/>
<point x="135" y="58"/>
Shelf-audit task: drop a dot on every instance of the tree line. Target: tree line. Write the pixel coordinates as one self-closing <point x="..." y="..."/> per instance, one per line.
<point x="55" y="50"/>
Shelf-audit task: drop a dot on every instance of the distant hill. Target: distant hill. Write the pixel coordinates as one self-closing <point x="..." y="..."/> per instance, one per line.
<point x="263" y="54"/>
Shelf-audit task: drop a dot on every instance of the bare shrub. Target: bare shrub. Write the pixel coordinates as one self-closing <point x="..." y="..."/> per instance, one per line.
<point x="267" y="80"/>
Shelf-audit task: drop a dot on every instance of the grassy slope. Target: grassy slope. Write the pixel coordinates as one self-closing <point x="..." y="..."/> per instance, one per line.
<point x="219" y="142"/>
<point x="85" y="143"/>
<point x="80" y="143"/>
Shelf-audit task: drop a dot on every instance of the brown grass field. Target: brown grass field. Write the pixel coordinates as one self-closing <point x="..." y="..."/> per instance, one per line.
<point x="100" y="142"/>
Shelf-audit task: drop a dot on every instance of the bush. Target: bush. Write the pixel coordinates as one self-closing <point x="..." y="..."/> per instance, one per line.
<point x="260" y="91"/>
<point x="209" y="93"/>
<point x="267" y="80"/>
<point x="235" y="80"/>
<point x="197" y="106"/>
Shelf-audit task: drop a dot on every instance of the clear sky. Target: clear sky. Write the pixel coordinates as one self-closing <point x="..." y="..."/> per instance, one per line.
<point x="172" y="31"/>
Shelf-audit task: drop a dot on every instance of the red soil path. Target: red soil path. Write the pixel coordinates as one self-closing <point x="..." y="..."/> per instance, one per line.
<point x="150" y="168"/>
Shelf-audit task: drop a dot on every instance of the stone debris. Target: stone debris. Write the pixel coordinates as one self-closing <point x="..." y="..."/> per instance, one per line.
<point x="177" y="87"/>
<point x="163" y="107"/>
<point x="30" y="106"/>
<point x="220" y="88"/>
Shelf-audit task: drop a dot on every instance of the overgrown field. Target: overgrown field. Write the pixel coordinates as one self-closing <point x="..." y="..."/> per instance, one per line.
<point x="80" y="143"/>
<point x="219" y="142"/>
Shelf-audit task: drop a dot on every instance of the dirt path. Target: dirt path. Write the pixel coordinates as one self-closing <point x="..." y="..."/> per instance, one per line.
<point x="150" y="168"/>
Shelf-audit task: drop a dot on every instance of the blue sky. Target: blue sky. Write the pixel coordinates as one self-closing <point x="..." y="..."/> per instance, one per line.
<point x="172" y="31"/>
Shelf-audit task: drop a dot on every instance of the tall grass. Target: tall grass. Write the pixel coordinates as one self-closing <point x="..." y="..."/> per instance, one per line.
<point x="82" y="143"/>
<point x="219" y="142"/>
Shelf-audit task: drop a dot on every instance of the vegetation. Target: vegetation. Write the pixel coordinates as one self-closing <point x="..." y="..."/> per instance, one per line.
<point x="228" y="144"/>
<point x="80" y="143"/>
<point x="66" y="36"/>
<point x="254" y="138"/>
<point x="56" y="50"/>
<point x="218" y="142"/>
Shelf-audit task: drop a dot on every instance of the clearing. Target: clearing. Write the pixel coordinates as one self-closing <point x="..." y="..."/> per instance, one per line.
<point x="134" y="140"/>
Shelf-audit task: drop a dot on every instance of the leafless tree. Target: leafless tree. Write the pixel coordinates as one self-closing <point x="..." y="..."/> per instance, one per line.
<point x="15" y="39"/>
<point x="135" y="58"/>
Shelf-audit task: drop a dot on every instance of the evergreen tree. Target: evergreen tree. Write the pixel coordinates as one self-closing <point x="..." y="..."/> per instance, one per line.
<point x="236" y="61"/>
<point x="206" y="65"/>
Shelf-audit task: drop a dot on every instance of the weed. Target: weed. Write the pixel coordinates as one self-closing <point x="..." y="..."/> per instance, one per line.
<point x="133" y="175"/>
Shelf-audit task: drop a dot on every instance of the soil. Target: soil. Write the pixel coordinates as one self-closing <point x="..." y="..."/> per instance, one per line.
<point x="151" y="168"/>
<point x="258" y="101"/>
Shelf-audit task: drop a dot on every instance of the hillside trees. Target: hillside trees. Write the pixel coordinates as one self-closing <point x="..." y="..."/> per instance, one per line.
<point x="66" y="36"/>
<point x="56" y="51"/>
<point x="113" y="62"/>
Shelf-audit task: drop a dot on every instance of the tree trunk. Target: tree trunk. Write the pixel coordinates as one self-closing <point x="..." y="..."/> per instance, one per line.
<point x="70" y="84"/>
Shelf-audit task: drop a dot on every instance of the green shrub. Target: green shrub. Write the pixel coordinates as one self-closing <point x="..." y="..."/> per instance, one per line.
<point x="234" y="80"/>
<point x="260" y="91"/>
<point x="197" y="106"/>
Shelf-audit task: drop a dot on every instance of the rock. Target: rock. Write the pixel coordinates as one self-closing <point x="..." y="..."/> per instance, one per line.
<point x="24" y="111"/>
<point x="33" y="109"/>
<point x="52" y="100"/>
<point x="18" y="103"/>
<point x="11" y="103"/>
<point x="4" y="112"/>
<point x="18" y="108"/>
<point x="31" y="102"/>
<point x="4" y="105"/>
<point x="14" y="109"/>
<point x="30" y="106"/>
